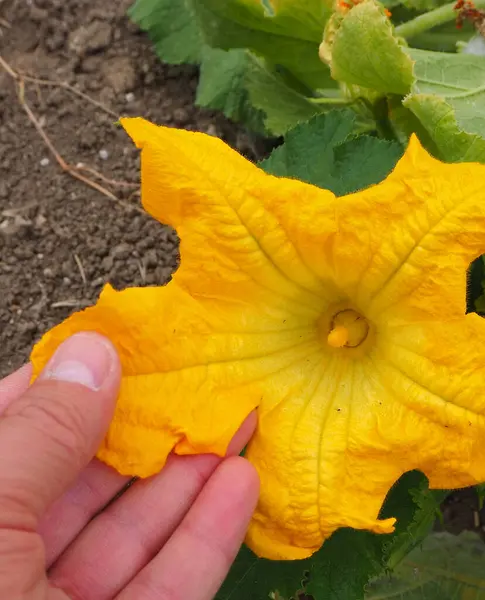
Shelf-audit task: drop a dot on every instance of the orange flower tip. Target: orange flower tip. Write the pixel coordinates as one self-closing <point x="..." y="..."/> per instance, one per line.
<point x="388" y="13"/>
<point x="140" y="130"/>
<point x="338" y="337"/>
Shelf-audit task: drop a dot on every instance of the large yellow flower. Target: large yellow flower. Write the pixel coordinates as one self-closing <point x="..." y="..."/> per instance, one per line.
<point x="342" y="319"/>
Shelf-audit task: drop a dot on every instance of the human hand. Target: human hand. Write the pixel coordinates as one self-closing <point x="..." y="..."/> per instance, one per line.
<point x="172" y="536"/>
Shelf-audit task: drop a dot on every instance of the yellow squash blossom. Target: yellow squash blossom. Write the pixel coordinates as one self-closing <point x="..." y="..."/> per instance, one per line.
<point x="342" y="319"/>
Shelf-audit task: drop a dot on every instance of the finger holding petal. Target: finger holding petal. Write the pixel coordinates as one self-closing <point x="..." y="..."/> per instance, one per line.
<point x="192" y="370"/>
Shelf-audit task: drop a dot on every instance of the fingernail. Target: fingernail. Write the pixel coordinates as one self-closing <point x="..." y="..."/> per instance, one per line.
<point x="85" y="358"/>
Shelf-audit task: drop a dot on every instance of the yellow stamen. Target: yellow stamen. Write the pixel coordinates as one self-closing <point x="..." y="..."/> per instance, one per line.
<point x="338" y="337"/>
<point x="348" y="329"/>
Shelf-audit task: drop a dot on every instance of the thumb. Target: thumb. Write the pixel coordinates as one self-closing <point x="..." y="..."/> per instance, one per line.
<point x="53" y="430"/>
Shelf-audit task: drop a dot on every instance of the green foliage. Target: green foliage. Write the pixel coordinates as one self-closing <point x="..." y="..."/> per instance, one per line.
<point x="223" y="86"/>
<point x="245" y="89"/>
<point x="260" y="93"/>
<point x="377" y="60"/>
<point x="475" y="300"/>
<point x="263" y="63"/>
<point x="326" y="153"/>
<point x="443" y="567"/>
<point x="448" y="97"/>
<point x="282" y="105"/>
<point x="443" y="91"/>
<point x="308" y="149"/>
<point x="288" y="36"/>
<point x="171" y="27"/>
<point x="346" y="562"/>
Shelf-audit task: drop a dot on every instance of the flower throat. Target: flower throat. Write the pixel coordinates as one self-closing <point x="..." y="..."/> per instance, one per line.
<point x="348" y="329"/>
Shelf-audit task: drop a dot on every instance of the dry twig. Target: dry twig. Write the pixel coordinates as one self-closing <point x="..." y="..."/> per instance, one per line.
<point x="81" y="268"/>
<point x="66" y="167"/>
<point x="12" y="212"/>
<point x="61" y="84"/>
<point x="71" y="303"/>
<point x="143" y="271"/>
<point x="113" y="182"/>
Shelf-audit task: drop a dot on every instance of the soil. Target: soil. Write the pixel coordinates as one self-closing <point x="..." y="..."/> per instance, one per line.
<point x="61" y="240"/>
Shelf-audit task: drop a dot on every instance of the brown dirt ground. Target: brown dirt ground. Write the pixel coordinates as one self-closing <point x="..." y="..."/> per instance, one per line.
<point x="60" y="240"/>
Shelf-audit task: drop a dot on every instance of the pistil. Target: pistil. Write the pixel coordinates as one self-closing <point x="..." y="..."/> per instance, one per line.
<point x="348" y="329"/>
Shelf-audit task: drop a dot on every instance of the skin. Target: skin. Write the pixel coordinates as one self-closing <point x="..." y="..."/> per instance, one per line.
<point x="172" y="536"/>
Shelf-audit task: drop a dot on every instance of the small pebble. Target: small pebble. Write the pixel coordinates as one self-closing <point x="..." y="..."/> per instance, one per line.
<point x="66" y="281"/>
<point x="103" y="154"/>
<point x="129" y="97"/>
<point x="40" y="256"/>
<point x="40" y="220"/>
<point x="44" y="162"/>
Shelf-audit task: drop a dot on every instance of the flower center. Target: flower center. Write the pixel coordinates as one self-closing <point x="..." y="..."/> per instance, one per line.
<point x="348" y="329"/>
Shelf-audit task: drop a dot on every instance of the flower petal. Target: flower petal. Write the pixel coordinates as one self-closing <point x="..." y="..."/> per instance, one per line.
<point x="360" y="244"/>
<point x="232" y="244"/>
<point x="192" y="369"/>
<point x="428" y="225"/>
<point x="329" y="452"/>
<point x="321" y="459"/>
<point x="436" y="373"/>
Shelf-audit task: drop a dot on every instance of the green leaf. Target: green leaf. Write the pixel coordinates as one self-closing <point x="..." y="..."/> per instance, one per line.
<point x="283" y="106"/>
<point x="448" y="97"/>
<point x="404" y="123"/>
<point x="289" y="34"/>
<point x="345" y="563"/>
<point x="361" y="162"/>
<point x="308" y="149"/>
<point x="475" y="296"/>
<point x="244" y="89"/>
<point x="223" y="86"/>
<point x="426" y="509"/>
<point x="362" y="50"/>
<point x="445" y="92"/>
<point x="439" y="119"/>
<point x="253" y="578"/>
<point x="324" y="152"/>
<point x="444" y="567"/>
<point x="172" y="28"/>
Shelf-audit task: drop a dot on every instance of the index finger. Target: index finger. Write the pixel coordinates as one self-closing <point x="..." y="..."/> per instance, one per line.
<point x="196" y="559"/>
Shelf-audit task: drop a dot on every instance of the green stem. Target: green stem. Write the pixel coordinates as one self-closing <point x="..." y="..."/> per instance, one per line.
<point x="383" y="124"/>
<point x="440" y="42"/>
<point x="431" y="19"/>
<point x="330" y="100"/>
